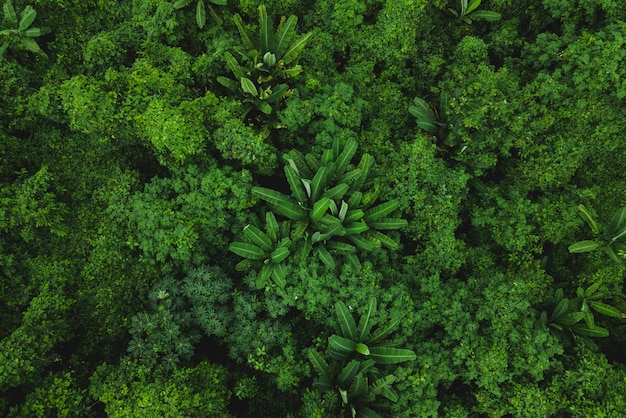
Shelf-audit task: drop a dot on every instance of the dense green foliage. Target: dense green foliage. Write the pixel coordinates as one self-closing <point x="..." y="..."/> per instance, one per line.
<point x="401" y="208"/>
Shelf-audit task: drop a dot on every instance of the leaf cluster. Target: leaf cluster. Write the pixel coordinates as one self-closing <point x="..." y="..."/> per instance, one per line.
<point x="21" y="28"/>
<point x="611" y="240"/>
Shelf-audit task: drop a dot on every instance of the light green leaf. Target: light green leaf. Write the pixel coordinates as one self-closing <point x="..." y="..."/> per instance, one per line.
<point x="366" y="321"/>
<point x="296" y="47"/>
<point x="318" y="183"/>
<point x="325" y="257"/>
<point x="32" y="32"/>
<point x="271" y="196"/>
<point x="346" y="321"/>
<point x="362" y="349"/>
<point x="284" y="34"/>
<point x="606" y="309"/>
<point x="271" y="226"/>
<point x="381" y="210"/>
<point x="569" y="319"/>
<point x="200" y="14"/>
<point x="391" y="355"/>
<point x="587" y="217"/>
<point x="349" y="149"/>
<point x="361" y="242"/>
<point x="356" y="228"/>
<point x="341" y="247"/>
<point x="337" y="192"/>
<point x="353" y="215"/>
<point x="28" y="16"/>
<point x="319" y="209"/>
<point x="219" y="2"/>
<point x="596" y="331"/>
<point x="379" y="385"/>
<point x="425" y="116"/>
<point x="248" y="87"/>
<point x="9" y="13"/>
<point x="31" y="45"/>
<point x="583" y="246"/>
<point x="473" y="4"/>
<point x="181" y="3"/>
<point x="340" y="348"/>
<point x="388" y="223"/>
<point x="384" y="239"/>
<point x="279" y="255"/>
<point x="279" y="274"/>
<point x="486" y="15"/>
<point x="247" y="250"/>
<point x="257" y="237"/>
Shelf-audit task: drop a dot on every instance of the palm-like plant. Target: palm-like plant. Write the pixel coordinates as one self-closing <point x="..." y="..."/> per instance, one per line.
<point x="467" y="12"/>
<point x="20" y="28"/>
<point x="612" y="240"/>
<point x="263" y="63"/>
<point x="201" y="9"/>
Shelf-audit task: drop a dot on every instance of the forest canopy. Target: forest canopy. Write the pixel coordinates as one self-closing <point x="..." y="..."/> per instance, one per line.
<point x="359" y="208"/>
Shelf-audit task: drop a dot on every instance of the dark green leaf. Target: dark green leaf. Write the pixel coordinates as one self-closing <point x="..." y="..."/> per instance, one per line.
<point x="391" y="355"/>
<point x="346" y="321"/>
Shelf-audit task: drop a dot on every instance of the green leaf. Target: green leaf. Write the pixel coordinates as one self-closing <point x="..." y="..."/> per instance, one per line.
<point x="358" y="387"/>
<point x="618" y="222"/>
<point x="591" y="290"/>
<point x="291" y="210"/>
<point x="200" y="14"/>
<point x="319" y="209"/>
<point x="569" y="319"/>
<point x="244" y="265"/>
<point x="228" y="83"/>
<point x="247" y="250"/>
<point x="219" y="2"/>
<point x="391" y="355"/>
<point x="356" y="228"/>
<point x="353" y="215"/>
<point x="28" y="16"/>
<point x="264" y="276"/>
<point x="361" y="242"/>
<point x="264" y="107"/>
<point x="247" y="43"/>
<point x="279" y="274"/>
<point x="318" y="183"/>
<point x="472" y="6"/>
<point x="355" y="198"/>
<point x="365" y="412"/>
<point x="181" y="3"/>
<point x="384" y="239"/>
<point x="366" y="321"/>
<point x="596" y="331"/>
<point x="325" y="257"/>
<point x="300" y="163"/>
<point x="257" y="237"/>
<point x="294" y="50"/>
<point x="340" y="348"/>
<point x="248" y="87"/>
<point x="381" y="210"/>
<point x="349" y="149"/>
<point x="271" y="226"/>
<point x="266" y="34"/>
<point x="353" y="260"/>
<point x="382" y="332"/>
<point x="606" y="309"/>
<point x="379" y="386"/>
<point x="283" y="36"/>
<point x="587" y="217"/>
<point x="388" y="223"/>
<point x="295" y="184"/>
<point x="9" y="13"/>
<point x="426" y="119"/>
<point x="31" y="45"/>
<point x="486" y="15"/>
<point x="279" y="255"/>
<point x="561" y="308"/>
<point x="233" y="65"/>
<point x="362" y="349"/>
<point x="341" y="247"/>
<point x="346" y="321"/>
<point x="32" y="32"/>
<point x="271" y="196"/>
<point x="319" y="364"/>
<point x="348" y="373"/>
<point x="583" y="246"/>
<point x="337" y="192"/>
<point x="609" y="251"/>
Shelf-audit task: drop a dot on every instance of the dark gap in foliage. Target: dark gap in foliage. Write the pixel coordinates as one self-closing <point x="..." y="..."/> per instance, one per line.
<point x="341" y="58"/>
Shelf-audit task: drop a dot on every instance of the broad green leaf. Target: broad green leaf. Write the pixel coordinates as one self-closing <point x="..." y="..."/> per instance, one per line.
<point x="283" y="36"/>
<point x="341" y="247"/>
<point x="391" y="355"/>
<point x="323" y="383"/>
<point x="257" y="237"/>
<point x="473" y="4"/>
<point x="263" y="277"/>
<point x="356" y="228"/>
<point x="233" y="65"/>
<point x="583" y="246"/>
<point x="444" y="104"/>
<point x="291" y="210"/>
<point x="31" y="45"/>
<point x="312" y="162"/>
<point x="589" y="320"/>
<point x="349" y="149"/>
<point x="279" y="255"/>
<point x="295" y="48"/>
<point x="181" y="3"/>
<point x="361" y="242"/>
<point x="200" y="14"/>
<point x="244" y="34"/>
<point x="300" y="162"/>
<point x="618" y="222"/>
<point x="319" y="209"/>
<point x="381" y="210"/>
<point x="228" y="83"/>
<point x="32" y="32"/>
<point x="349" y="176"/>
<point x="591" y="290"/>
<point x="319" y="363"/>
<point x="271" y="196"/>
<point x="266" y="34"/>
<point x="606" y="309"/>
<point x="340" y="348"/>
<point x="582" y="210"/>
<point x="290" y="72"/>
<point x="346" y="321"/>
<point x="337" y="192"/>
<point x="486" y="15"/>
<point x="366" y="321"/>
<point x="219" y="2"/>
<point x="569" y="319"/>
<point x="9" y="13"/>
<point x="384" y="239"/>
<point x="425" y="116"/>
<point x="382" y="332"/>
<point x="271" y="226"/>
<point x="362" y="349"/>
<point x="27" y="17"/>
<point x="244" y="265"/>
<point x="325" y="257"/>
<point x="279" y="274"/>
<point x="609" y="251"/>
<point x="365" y="412"/>
<point x="388" y="223"/>
<point x="247" y="250"/>
<point x="264" y="107"/>
<point x="561" y="309"/>
<point x="358" y="387"/>
<point x="355" y="198"/>
<point x="348" y="373"/>
<point x="318" y="183"/>
<point x="248" y="87"/>
<point x="378" y="386"/>
<point x="353" y="215"/>
<point x="596" y="331"/>
<point x="296" y="186"/>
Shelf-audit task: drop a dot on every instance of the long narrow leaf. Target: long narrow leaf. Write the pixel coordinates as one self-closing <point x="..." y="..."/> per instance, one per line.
<point x="28" y="16"/>
<point x="349" y="149"/>
<point x="348" y="373"/>
<point x="200" y="14"/>
<point x="319" y="364"/>
<point x="244" y="34"/>
<point x="606" y="309"/>
<point x="284" y="34"/>
<point x="279" y="274"/>
<point x="346" y="321"/>
<point x="266" y="33"/>
<point x="258" y="237"/>
<point x="296" y="186"/>
<point x="383" y="332"/>
<point x="388" y="223"/>
<point x="340" y="348"/>
<point x="366" y="321"/>
<point x="247" y="250"/>
<point x="381" y="210"/>
<point x="618" y="221"/>
<point x="325" y="257"/>
<point x="271" y="196"/>
<point x="9" y="13"/>
<point x="296" y="47"/>
<point x="391" y="355"/>
<point x="318" y="183"/>
<point x="384" y="239"/>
